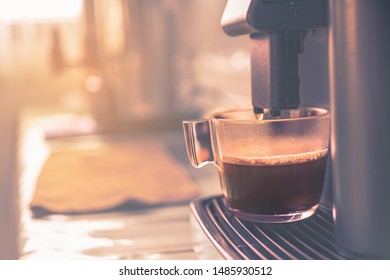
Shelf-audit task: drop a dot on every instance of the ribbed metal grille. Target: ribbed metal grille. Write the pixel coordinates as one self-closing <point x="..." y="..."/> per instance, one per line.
<point x="311" y="238"/>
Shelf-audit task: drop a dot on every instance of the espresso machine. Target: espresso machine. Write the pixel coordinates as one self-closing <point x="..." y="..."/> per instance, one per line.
<point x="348" y="45"/>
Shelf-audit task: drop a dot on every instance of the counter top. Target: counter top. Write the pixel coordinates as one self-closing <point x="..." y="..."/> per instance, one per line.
<point x="162" y="232"/>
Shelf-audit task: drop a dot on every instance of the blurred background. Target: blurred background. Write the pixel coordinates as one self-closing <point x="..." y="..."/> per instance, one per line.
<point x="120" y="61"/>
<point x="88" y="85"/>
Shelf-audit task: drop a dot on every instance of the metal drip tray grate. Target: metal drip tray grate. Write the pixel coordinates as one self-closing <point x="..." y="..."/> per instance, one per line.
<point x="234" y="238"/>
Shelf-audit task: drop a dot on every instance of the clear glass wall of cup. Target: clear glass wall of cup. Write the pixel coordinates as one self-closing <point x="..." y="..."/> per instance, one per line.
<point x="271" y="170"/>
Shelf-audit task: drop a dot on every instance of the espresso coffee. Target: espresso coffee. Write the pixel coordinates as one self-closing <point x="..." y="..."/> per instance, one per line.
<point x="276" y="185"/>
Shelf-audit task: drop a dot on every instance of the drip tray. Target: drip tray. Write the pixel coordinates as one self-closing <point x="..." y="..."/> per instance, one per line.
<point x="234" y="238"/>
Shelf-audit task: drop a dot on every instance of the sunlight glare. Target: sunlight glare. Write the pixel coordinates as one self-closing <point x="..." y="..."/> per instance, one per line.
<point x="39" y="10"/>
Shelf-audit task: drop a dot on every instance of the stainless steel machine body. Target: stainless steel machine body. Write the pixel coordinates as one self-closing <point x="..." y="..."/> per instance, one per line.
<point x="360" y="86"/>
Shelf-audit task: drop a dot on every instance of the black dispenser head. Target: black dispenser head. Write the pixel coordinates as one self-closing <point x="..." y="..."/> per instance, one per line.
<point x="277" y="29"/>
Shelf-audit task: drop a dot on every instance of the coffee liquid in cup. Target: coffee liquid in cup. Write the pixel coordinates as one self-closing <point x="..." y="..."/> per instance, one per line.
<point x="275" y="185"/>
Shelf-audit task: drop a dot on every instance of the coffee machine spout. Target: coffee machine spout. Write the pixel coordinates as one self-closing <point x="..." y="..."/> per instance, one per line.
<point x="276" y="31"/>
<point x="274" y="70"/>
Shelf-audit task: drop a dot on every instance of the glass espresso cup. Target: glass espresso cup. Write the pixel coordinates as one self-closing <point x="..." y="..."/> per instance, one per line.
<point x="272" y="170"/>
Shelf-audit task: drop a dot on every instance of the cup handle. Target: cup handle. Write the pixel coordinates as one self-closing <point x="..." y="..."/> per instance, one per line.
<point x="197" y="135"/>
